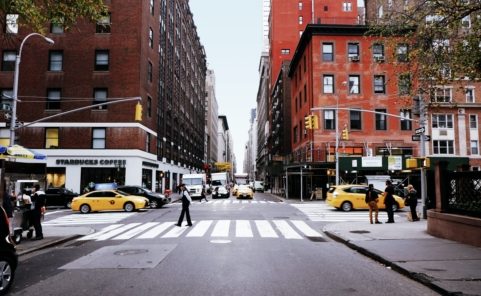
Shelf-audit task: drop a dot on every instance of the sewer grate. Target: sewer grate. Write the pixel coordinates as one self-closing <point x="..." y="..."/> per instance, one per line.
<point x="360" y="231"/>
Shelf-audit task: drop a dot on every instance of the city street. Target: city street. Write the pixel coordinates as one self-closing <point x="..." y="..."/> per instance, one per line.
<point x="236" y="247"/>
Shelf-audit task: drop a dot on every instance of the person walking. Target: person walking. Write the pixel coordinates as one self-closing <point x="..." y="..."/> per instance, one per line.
<point x="389" y="201"/>
<point x="371" y="200"/>
<point x="8" y="207"/>
<point x="412" y="200"/>
<point x="186" y="201"/>
<point x="38" y="201"/>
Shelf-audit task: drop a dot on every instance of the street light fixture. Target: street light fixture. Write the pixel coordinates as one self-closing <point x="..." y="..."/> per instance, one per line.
<point x="13" y="119"/>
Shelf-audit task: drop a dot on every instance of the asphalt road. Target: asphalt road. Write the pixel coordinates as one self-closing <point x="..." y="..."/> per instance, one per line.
<point x="264" y="247"/>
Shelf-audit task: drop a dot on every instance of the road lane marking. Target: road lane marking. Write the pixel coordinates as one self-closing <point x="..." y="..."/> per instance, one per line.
<point x="265" y="229"/>
<point x="102" y="231"/>
<point x="221" y="228"/>
<point x="133" y="232"/>
<point x="287" y="231"/>
<point x="154" y="232"/>
<point x="200" y="229"/>
<point x="243" y="229"/>
<point x="116" y="231"/>
<point x="306" y="229"/>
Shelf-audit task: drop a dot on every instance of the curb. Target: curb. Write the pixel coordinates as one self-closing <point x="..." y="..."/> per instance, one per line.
<point x="419" y="277"/>
<point x="49" y="244"/>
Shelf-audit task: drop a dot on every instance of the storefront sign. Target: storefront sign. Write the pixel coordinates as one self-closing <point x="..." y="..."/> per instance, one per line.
<point x="150" y="164"/>
<point x="371" y="162"/>
<point x="394" y="163"/>
<point x="102" y="162"/>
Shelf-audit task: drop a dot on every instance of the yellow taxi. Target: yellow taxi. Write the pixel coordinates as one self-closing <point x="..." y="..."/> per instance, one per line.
<point x="244" y="191"/>
<point x="351" y="197"/>
<point x="108" y="200"/>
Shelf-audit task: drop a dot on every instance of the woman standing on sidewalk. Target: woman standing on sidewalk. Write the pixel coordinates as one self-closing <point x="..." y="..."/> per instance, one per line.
<point x="412" y="200"/>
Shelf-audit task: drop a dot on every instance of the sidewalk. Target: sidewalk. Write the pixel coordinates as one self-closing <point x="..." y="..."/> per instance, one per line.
<point x="445" y="266"/>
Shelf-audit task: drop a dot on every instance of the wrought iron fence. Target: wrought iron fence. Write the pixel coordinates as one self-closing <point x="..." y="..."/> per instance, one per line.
<point x="464" y="194"/>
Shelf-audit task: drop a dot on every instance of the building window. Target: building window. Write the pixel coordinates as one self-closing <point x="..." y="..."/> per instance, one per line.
<point x="53" y="98"/>
<point x="8" y="60"/>
<point x="295" y="134"/>
<point x="466" y="22"/>
<point x="103" y="24"/>
<point x="442" y="95"/>
<point x="443" y="147"/>
<point x="474" y="147"/>
<point x="6" y="96"/>
<point x="101" y="60"/>
<point x="149" y="72"/>
<point x="300" y="20"/>
<point x="151" y="38"/>
<point x="329" y="119"/>
<point x="404" y="84"/>
<point x="402" y="52"/>
<point x="354" y="84"/>
<point x="285" y="51"/>
<point x="147" y="142"/>
<point x="406" y="123"/>
<point x="55" y="62"/>
<point x="379" y="84"/>
<point x="346" y="6"/>
<point x="328" y="52"/>
<point x="442" y="121"/>
<point x="300" y="34"/>
<point x="300" y="5"/>
<point x="378" y="52"/>
<point x="473" y="121"/>
<point x="353" y="51"/>
<point x="355" y="120"/>
<point x="151" y="5"/>
<point x="149" y="106"/>
<point x="470" y="95"/>
<point x="381" y="122"/>
<point x="51" y="138"/>
<point x="100" y="96"/>
<point x="11" y="23"/>
<point x="98" y="138"/>
<point x="56" y="28"/>
<point x="328" y="84"/>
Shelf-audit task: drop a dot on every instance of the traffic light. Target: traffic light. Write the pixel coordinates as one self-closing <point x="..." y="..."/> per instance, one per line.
<point x="308" y="122"/>
<point x="345" y="134"/>
<point x="161" y="174"/>
<point x="426" y="162"/>
<point x="314" y="122"/>
<point x="138" y="112"/>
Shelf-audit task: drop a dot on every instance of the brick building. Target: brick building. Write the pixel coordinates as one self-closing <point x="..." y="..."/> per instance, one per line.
<point x="142" y="49"/>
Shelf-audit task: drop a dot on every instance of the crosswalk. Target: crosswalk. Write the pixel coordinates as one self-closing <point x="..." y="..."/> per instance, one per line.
<point x="236" y="201"/>
<point x="321" y="212"/>
<point x="88" y="219"/>
<point x="242" y="229"/>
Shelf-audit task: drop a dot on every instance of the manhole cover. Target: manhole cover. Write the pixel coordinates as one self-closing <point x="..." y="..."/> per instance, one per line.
<point x="359" y="231"/>
<point x="130" y="252"/>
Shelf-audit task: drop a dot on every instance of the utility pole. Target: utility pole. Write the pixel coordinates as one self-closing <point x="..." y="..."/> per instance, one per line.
<point x="422" y="152"/>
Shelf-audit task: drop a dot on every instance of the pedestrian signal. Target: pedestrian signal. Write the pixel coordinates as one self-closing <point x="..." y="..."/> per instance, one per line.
<point x="314" y="122"/>
<point x="308" y="122"/>
<point x="345" y="134"/>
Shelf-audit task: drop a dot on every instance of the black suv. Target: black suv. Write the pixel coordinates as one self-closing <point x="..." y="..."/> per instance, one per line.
<point x="8" y="255"/>
<point x="156" y="200"/>
<point x="59" y="197"/>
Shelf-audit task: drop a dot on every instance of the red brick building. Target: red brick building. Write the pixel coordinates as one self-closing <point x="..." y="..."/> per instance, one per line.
<point x="148" y="50"/>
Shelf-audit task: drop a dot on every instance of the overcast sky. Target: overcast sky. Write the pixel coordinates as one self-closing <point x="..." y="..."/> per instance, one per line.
<point x="231" y="32"/>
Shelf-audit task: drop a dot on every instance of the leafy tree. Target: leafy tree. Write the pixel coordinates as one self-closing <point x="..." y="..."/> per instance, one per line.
<point x="36" y="14"/>
<point x="444" y="37"/>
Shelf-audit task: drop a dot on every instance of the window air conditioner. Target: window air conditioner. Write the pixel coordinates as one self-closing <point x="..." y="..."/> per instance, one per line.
<point x="379" y="59"/>
<point x="354" y="58"/>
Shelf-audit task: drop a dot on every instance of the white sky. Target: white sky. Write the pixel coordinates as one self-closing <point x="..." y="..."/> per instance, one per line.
<point x="231" y="32"/>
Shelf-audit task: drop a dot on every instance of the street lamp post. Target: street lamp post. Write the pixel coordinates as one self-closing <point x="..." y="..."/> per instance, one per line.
<point x="13" y="119"/>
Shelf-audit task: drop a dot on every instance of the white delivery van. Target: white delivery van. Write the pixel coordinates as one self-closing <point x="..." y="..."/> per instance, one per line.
<point x="220" y="185"/>
<point x="259" y="186"/>
<point x="195" y="184"/>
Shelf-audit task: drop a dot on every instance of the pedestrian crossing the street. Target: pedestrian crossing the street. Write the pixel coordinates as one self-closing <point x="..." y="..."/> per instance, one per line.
<point x="87" y="219"/>
<point x="324" y="213"/>
<point x="242" y="229"/>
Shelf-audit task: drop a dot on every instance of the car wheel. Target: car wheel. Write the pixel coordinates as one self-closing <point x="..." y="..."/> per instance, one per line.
<point x="7" y="274"/>
<point x="346" y="206"/>
<point x="153" y="204"/>
<point x="395" y="207"/>
<point x="129" y="207"/>
<point x="68" y="205"/>
<point x="84" y="209"/>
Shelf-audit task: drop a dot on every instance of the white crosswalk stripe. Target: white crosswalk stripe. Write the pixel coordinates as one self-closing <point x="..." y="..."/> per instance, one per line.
<point x="324" y="213"/>
<point x="88" y="219"/>
<point x="243" y="229"/>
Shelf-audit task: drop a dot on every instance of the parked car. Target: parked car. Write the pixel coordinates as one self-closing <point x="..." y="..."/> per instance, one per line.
<point x="8" y="255"/>
<point x="108" y="200"/>
<point x="156" y="200"/>
<point x="244" y="191"/>
<point x="258" y="186"/>
<point x="351" y="197"/>
<point x="59" y="197"/>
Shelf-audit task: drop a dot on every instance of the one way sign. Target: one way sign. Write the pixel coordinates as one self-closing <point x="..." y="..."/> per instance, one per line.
<point x="417" y="138"/>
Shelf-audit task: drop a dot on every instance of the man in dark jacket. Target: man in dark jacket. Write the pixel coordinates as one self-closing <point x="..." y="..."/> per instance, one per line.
<point x="371" y="200"/>
<point x="389" y="201"/>
<point x="38" y="200"/>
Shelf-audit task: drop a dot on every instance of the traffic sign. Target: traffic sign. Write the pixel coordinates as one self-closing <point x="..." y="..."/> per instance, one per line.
<point x="419" y="131"/>
<point x="417" y="138"/>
